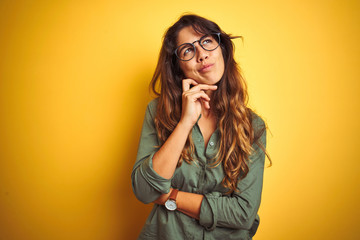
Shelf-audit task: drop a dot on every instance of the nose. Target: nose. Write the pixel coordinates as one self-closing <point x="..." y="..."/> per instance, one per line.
<point x="202" y="54"/>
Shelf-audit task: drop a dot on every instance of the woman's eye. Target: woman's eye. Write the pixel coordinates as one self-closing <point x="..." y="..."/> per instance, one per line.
<point x="207" y="41"/>
<point x="187" y="51"/>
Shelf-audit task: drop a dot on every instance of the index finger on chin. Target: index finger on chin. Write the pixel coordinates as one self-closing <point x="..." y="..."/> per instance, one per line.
<point x="187" y="82"/>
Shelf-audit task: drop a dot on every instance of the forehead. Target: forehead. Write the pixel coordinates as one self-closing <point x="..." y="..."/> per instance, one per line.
<point x="187" y="35"/>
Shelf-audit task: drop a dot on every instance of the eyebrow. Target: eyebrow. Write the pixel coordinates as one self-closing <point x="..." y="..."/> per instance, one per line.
<point x="195" y="40"/>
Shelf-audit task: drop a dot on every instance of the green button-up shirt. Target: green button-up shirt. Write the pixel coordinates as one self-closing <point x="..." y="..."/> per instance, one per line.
<point x="222" y="216"/>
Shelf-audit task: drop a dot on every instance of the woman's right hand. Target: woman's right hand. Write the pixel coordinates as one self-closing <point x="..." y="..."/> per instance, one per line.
<point x="193" y="99"/>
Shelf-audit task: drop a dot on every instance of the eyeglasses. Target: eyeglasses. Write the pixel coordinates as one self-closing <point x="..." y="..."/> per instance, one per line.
<point x="209" y="42"/>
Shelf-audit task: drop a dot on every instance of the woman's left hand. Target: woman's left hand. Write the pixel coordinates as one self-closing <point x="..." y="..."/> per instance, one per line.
<point x="163" y="197"/>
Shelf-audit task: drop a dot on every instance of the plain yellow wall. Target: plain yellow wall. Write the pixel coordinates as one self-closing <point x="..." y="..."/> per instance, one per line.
<point x="74" y="86"/>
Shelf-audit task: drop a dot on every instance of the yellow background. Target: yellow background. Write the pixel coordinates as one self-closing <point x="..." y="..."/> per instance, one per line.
<point x="74" y="86"/>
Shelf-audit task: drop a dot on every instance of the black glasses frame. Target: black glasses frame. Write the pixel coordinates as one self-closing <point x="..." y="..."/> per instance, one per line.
<point x="193" y="44"/>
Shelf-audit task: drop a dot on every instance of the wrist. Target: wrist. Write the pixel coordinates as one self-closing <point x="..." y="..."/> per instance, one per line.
<point x="185" y="126"/>
<point x="166" y="197"/>
<point x="178" y="200"/>
<point x="169" y="193"/>
<point x="171" y="203"/>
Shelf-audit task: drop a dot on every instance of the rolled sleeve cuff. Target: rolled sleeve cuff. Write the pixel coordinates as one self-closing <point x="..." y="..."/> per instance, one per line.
<point x="155" y="180"/>
<point x="208" y="211"/>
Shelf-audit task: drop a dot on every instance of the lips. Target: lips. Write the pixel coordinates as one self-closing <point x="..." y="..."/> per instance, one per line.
<point x="206" y="68"/>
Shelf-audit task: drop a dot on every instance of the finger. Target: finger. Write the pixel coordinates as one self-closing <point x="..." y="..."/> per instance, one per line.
<point x="200" y="87"/>
<point x="195" y="96"/>
<point x="187" y="82"/>
<point x="207" y="104"/>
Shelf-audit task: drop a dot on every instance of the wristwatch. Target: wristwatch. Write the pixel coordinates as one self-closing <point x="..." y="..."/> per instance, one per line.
<point x="170" y="204"/>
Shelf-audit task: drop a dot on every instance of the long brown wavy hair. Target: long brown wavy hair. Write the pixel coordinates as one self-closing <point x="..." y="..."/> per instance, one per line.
<point x="229" y="103"/>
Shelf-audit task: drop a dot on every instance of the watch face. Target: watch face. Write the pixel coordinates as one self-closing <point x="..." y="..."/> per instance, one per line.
<point x="170" y="205"/>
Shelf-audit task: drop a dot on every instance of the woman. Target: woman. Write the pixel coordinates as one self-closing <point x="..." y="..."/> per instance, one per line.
<point x="202" y="150"/>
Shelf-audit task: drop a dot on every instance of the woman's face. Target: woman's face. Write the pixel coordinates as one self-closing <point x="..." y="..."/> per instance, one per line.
<point x="206" y="67"/>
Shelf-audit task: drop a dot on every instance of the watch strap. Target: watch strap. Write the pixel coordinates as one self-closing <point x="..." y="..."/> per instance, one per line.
<point x="173" y="194"/>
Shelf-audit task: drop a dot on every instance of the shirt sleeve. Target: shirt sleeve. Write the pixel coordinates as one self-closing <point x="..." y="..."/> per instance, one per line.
<point x="239" y="210"/>
<point x="147" y="184"/>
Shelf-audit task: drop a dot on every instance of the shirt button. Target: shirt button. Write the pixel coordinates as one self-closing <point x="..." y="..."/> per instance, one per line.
<point x="211" y="143"/>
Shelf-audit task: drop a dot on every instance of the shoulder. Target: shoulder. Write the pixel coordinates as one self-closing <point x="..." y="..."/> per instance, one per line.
<point x="256" y="121"/>
<point x="151" y="107"/>
<point x="153" y="103"/>
<point x="259" y="127"/>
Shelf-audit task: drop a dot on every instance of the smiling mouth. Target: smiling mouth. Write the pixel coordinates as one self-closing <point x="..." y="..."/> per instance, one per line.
<point x="206" y="68"/>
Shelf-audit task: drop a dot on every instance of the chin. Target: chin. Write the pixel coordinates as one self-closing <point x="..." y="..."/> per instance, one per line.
<point x="213" y="80"/>
<point x="207" y="81"/>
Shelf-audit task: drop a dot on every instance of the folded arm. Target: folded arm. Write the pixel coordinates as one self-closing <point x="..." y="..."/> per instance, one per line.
<point x="238" y="210"/>
<point x="154" y="167"/>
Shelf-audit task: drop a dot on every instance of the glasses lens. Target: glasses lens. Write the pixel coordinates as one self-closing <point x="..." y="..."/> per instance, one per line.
<point x="210" y="42"/>
<point x="185" y="52"/>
